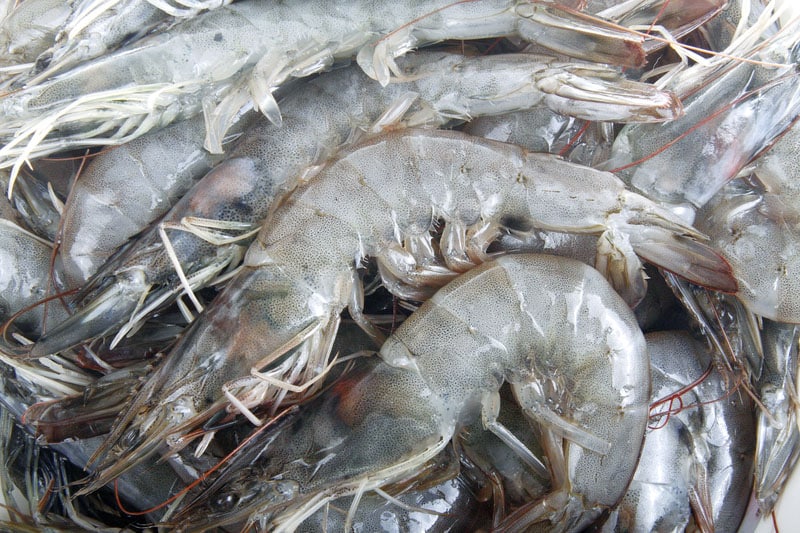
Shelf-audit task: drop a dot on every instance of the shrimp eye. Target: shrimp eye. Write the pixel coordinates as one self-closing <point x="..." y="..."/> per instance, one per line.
<point x="225" y="502"/>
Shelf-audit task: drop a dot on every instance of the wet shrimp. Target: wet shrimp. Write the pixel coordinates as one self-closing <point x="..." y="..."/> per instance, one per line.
<point x="778" y="444"/>
<point x="733" y="118"/>
<point x="436" y="498"/>
<point x="778" y="177"/>
<point x="95" y="28"/>
<point x="281" y="311"/>
<point x="698" y="447"/>
<point x="25" y="278"/>
<point x="38" y="206"/>
<point x="240" y="54"/>
<point x="762" y="249"/>
<point x="123" y="190"/>
<point x="268" y="157"/>
<point x="27" y="31"/>
<point x="516" y="474"/>
<point x="579" y="364"/>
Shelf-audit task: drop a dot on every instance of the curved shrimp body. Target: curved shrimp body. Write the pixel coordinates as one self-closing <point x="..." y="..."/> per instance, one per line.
<point x="732" y="119"/>
<point x="268" y="157"/>
<point x="256" y="47"/>
<point x="552" y="327"/>
<point x="701" y="453"/>
<point x="281" y="311"/>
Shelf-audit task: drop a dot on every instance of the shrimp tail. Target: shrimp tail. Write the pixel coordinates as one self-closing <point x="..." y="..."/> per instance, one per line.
<point x="664" y="239"/>
<point x="110" y="308"/>
<point x="685" y="257"/>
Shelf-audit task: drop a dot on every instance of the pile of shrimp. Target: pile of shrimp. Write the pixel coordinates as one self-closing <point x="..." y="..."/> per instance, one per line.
<point x="471" y="265"/>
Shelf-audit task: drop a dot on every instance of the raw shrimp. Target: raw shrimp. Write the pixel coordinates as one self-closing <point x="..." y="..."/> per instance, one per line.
<point x="763" y="250"/>
<point x="25" y="276"/>
<point x="537" y="130"/>
<point x="27" y="31"/>
<point x="778" y="174"/>
<point x="698" y="450"/>
<point x="282" y="309"/>
<point x="97" y="27"/>
<point x="38" y="206"/>
<point x="552" y="327"/>
<point x="44" y="477"/>
<point x="438" y="498"/>
<point x="515" y="477"/>
<point x="722" y="30"/>
<point x="248" y="49"/>
<point x="678" y="17"/>
<point x="778" y="433"/>
<point x="729" y="122"/>
<point x="268" y="157"/>
<point x="123" y="190"/>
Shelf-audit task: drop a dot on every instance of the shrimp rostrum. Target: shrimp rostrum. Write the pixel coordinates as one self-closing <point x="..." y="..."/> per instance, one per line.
<point x="268" y="333"/>
<point x="552" y="327"/>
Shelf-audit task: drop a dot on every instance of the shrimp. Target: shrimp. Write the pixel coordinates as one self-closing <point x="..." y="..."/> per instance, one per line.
<point x="25" y="278"/>
<point x="732" y="119"/>
<point x="38" y="206"/>
<point x="96" y="27"/>
<point x="778" y="445"/>
<point x="579" y="363"/>
<point x="122" y="191"/>
<point x="538" y="130"/>
<point x="281" y="310"/>
<point x="721" y="31"/>
<point x="678" y="18"/>
<point x="268" y="157"/>
<point x="698" y="448"/>
<point x="762" y="250"/>
<point x="43" y="477"/>
<point x="27" y="31"/>
<point x="240" y="54"/>
<point x="515" y="473"/>
<point x="437" y="499"/>
<point x="778" y="176"/>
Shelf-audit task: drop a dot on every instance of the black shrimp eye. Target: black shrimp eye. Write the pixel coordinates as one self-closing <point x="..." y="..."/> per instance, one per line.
<point x="225" y="502"/>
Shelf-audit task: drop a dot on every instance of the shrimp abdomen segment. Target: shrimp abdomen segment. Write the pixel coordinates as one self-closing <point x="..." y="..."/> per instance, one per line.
<point x="544" y="324"/>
